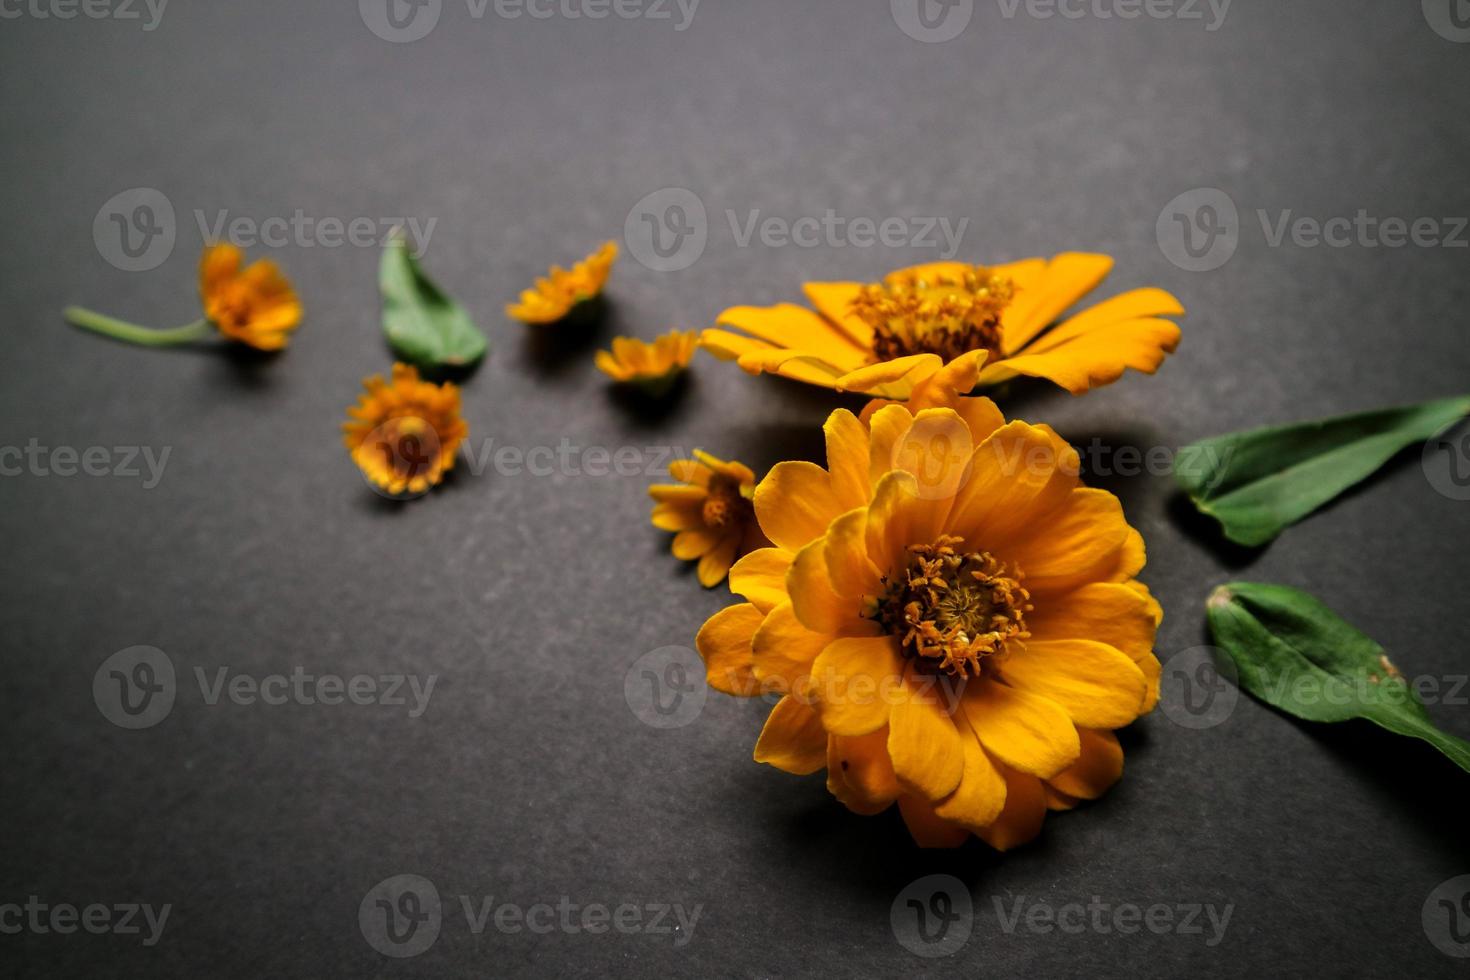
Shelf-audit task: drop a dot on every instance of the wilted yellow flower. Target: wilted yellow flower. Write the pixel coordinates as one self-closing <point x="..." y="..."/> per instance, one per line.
<point x="952" y="619"/>
<point x="255" y="306"/>
<point x="710" y="512"/>
<point x="652" y="367"/>
<point x="554" y="297"/>
<point x="404" y="435"/>
<point x="885" y="338"/>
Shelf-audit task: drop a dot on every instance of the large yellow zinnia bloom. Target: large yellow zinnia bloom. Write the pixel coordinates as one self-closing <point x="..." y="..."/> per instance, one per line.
<point x="952" y="619"/>
<point x="885" y="338"/>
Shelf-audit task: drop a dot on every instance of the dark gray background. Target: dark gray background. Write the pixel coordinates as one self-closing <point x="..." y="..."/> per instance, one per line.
<point x="529" y="778"/>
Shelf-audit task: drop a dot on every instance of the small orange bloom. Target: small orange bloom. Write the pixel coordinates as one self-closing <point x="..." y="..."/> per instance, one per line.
<point x="562" y="291"/>
<point x="404" y="434"/>
<point x="711" y="512"/>
<point x="255" y="306"/>
<point x="653" y="367"/>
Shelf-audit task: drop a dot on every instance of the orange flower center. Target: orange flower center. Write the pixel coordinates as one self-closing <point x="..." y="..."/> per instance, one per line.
<point x="946" y="314"/>
<point x="955" y="610"/>
<point x="232" y="305"/>
<point x="724" y="505"/>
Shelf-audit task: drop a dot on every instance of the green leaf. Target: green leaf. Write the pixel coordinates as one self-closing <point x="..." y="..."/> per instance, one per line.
<point x="1297" y="655"/>
<point x="1258" y="483"/>
<point x="424" y="326"/>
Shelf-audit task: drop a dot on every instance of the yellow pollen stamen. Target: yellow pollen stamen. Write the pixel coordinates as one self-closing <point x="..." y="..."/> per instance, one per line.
<point x="953" y="610"/>
<point x="723" y="505"/>
<point x="947" y="314"/>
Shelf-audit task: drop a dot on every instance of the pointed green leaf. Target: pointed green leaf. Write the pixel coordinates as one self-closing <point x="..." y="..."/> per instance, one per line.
<point x="1295" y="654"/>
<point x="424" y="326"/>
<point x="1258" y="483"/>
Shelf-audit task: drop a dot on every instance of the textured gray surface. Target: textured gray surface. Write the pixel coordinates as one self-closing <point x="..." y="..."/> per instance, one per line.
<point x="528" y="778"/>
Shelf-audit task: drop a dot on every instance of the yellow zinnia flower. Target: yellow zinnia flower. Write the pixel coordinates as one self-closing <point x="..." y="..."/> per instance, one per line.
<point x="886" y="338"/>
<point x="556" y="296"/>
<point x="952" y="619"/>
<point x="403" y="435"/>
<point x="710" y="512"/>
<point x="652" y="367"/>
<point x="256" y="306"/>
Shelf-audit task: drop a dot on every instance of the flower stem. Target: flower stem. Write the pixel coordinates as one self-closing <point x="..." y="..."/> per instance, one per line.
<point x="134" y="334"/>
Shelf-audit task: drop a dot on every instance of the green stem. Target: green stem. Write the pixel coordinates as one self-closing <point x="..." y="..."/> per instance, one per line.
<point x="134" y="334"/>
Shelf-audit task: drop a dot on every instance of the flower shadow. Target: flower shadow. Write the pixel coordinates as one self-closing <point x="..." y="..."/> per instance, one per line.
<point x="551" y="350"/>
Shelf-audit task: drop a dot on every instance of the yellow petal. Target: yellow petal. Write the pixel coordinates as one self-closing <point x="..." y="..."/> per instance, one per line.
<point x="725" y="644"/>
<point x="783" y="650"/>
<point x="1066" y="279"/>
<point x="794" y="504"/>
<point x="928" y="829"/>
<point x="1094" y="683"/>
<point x="1025" y="809"/>
<point x="677" y="492"/>
<point x="729" y="346"/>
<point x="817" y="606"/>
<point x="982" y="791"/>
<point x="694" y="543"/>
<point x="1018" y="477"/>
<point x="1096" y="358"/>
<point x="1098" y="768"/>
<point x="677" y="517"/>
<point x="1108" y="612"/>
<point x="859" y="772"/>
<point x="715" y="563"/>
<point x="1078" y="543"/>
<point x="792" y="739"/>
<point x="937" y="450"/>
<point x="925" y="748"/>
<point x="855" y="683"/>
<point x="891" y="379"/>
<point x="789" y="325"/>
<point x="852" y="575"/>
<point x="1137" y="304"/>
<point x="847" y="459"/>
<point x="887" y="430"/>
<point x="1025" y="731"/>
<point x="834" y="301"/>
<point x="761" y="577"/>
<point x="899" y="517"/>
